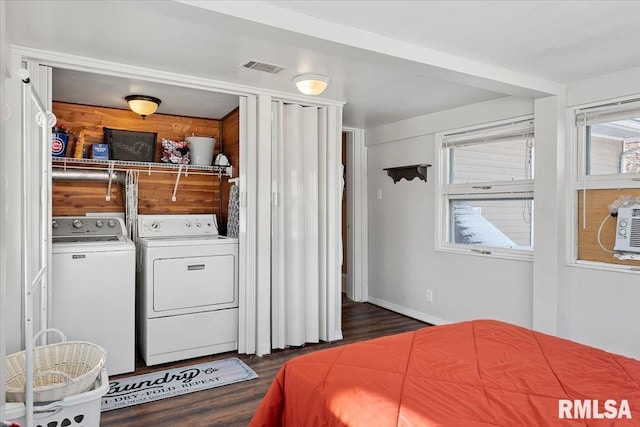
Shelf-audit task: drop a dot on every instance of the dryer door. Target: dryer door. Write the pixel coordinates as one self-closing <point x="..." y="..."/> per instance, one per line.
<point x="194" y="284"/>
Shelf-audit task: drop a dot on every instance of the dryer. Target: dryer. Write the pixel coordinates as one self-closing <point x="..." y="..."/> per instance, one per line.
<point x="187" y="288"/>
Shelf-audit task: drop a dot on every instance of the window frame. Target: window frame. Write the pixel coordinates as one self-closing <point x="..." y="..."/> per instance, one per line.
<point x="489" y="190"/>
<point x="578" y="181"/>
<point x="579" y="142"/>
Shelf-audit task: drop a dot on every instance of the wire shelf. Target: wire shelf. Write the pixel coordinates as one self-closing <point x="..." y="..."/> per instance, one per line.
<point x="226" y="170"/>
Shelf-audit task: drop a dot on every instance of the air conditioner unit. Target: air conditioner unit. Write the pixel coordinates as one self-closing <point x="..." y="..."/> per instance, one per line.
<point x="628" y="229"/>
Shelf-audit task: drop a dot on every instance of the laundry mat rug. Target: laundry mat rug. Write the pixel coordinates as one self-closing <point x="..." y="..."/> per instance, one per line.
<point x="174" y="382"/>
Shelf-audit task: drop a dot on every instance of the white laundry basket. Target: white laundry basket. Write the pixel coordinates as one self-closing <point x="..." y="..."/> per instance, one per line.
<point x="78" y="410"/>
<point x="60" y="370"/>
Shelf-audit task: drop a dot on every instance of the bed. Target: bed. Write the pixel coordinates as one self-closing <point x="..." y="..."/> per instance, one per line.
<point x="476" y="373"/>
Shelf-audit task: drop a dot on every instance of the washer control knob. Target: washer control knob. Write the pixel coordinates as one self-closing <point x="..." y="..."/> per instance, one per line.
<point x="55" y="224"/>
<point x="111" y="223"/>
<point x="187" y="224"/>
<point x="77" y="223"/>
<point x="198" y="225"/>
<point x="99" y="223"/>
<point x="622" y="232"/>
<point x="623" y="224"/>
<point x="155" y="225"/>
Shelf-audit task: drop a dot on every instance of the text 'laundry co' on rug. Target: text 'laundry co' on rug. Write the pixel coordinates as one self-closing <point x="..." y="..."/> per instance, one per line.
<point x="173" y="382"/>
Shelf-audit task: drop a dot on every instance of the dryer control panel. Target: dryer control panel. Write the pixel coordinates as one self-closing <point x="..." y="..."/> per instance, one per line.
<point x="177" y="225"/>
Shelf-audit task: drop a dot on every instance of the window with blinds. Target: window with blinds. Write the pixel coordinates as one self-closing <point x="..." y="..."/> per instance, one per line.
<point x="607" y="175"/>
<point x="609" y="138"/>
<point x="487" y="194"/>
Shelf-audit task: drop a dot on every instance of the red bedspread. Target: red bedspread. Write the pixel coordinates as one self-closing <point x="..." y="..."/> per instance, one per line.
<point x="479" y="373"/>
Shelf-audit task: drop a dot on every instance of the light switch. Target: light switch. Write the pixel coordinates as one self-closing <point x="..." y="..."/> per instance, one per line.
<point x="379" y="194"/>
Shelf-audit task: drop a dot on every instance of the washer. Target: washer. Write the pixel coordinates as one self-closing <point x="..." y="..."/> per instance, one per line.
<point x="93" y="286"/>
<point x="187" y="288"/>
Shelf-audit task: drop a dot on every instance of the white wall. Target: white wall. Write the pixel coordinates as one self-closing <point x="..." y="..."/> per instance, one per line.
<point x="603" y="309"/>
<point x="608" y="87"/>
<point x="403" y="262"/>
<point x="597" y="307"/>
<point x="11" y="188"/>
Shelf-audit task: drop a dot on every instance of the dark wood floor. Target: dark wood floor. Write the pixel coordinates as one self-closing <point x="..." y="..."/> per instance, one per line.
<point x="234" y="404"/>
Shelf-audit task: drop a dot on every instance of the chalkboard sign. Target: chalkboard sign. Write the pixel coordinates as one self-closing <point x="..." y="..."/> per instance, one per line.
<point x="130" y="145"/>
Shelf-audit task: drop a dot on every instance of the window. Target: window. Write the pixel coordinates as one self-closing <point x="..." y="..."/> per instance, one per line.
<point x="607" y="163"/>
<point x="609" y="138"/>
<point x="487" y="193"/>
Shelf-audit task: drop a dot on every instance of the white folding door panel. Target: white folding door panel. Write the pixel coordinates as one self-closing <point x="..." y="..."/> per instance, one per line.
<point x="247" y="226"/>
<point x="277" y="229"/>
<point x="301" y="286"/>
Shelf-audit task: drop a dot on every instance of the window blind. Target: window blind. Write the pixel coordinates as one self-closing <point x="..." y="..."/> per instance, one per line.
<point x="520" y="129"/>
<point x="608" y="113"/>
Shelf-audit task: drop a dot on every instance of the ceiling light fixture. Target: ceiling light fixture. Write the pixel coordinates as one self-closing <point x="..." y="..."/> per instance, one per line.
<point x="143" y="104"/>
<point x="311" y="84"/>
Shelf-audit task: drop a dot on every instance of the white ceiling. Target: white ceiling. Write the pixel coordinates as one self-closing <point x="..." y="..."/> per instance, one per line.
<point x="388" y="60"/>
<point x="103" y="90"/>
<point x="563" y="41"/>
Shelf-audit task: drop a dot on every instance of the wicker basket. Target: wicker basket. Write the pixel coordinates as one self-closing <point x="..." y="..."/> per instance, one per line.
<point x="59" y="370"/>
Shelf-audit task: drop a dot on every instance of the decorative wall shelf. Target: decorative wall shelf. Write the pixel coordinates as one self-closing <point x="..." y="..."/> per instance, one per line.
<point x="408" y="172"/>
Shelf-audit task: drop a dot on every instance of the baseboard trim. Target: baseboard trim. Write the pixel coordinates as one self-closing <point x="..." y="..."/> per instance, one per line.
<point x="407" y="311"/>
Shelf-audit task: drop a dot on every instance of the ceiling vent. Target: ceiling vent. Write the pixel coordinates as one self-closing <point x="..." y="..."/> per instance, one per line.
<point x="262" y="66"/>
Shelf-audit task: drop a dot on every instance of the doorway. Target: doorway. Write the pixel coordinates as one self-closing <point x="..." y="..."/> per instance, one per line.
<point x="345" y="224"/>
<point x="354" y="214"/>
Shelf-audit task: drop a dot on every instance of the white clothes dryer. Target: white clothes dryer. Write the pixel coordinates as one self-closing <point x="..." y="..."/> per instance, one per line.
<point x="187" y="288"/>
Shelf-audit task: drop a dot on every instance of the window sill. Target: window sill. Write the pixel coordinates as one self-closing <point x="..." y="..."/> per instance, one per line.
<point x="485" y="252"/>
<point x="616" y="268"/>
<point x="603" y="182"/>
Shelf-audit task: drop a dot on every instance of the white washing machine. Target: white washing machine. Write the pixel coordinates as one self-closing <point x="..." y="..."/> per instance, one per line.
<point x="93" y="286"/>
<point x="187" y="288"/>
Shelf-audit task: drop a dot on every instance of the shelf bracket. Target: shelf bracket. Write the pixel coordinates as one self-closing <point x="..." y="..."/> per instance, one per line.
<point x="175" y="188"/>
<point x="111" y="167"/>
<point x="408" y="172"/>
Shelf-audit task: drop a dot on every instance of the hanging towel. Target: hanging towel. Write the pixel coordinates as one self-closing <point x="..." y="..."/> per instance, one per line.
<point x="131" y="204"/>
<point x="234" y="211"/>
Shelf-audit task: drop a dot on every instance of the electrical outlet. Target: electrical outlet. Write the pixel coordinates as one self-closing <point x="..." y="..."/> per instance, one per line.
<point x="429" y="295"/>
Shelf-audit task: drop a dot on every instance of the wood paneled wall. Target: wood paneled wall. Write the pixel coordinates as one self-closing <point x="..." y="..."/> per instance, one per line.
<point x="597" y="208"/>
<point x="230" y="131"/>
<point x="92" y="119"/>
<point x="196" y="193"/>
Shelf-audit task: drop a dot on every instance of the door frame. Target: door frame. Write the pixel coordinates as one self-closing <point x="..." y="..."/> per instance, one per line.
<point x="357" y="216"/>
